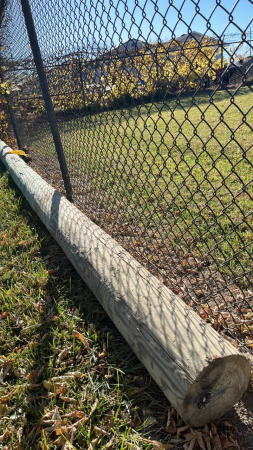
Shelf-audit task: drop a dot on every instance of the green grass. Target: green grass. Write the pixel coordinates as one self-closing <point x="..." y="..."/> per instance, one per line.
<point x="66" y="374"/>
<point x="183" y="169"/>
<point x="51" y="326"/>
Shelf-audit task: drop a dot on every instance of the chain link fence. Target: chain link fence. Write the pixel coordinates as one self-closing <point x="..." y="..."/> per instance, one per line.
<point x="152" y="103"/>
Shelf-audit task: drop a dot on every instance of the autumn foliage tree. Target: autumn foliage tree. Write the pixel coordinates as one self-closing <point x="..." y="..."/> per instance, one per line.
<point x="4" y="123"/>
<point x="116" y="78"/>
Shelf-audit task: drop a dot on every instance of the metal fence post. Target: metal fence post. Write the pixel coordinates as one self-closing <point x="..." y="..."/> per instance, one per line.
<point x="13" y="121"/>
<point x="46" y="95"/>
<point x="81" y="80"/>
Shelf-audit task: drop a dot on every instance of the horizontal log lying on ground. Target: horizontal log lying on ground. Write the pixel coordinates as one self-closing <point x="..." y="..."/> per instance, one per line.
<point x="201" y="373"/>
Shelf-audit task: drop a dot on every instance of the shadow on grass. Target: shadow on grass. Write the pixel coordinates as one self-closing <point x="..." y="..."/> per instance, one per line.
<point x="68" y="305"/>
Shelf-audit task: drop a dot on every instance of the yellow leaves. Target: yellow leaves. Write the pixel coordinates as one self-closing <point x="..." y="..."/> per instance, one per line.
<point x="3" y="242"/>
<point x="82" y="339"/>
<point x="16" y="152"/>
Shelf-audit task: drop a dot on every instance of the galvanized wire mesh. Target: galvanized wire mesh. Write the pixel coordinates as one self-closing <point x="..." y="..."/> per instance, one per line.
<point x="156" y="125"/>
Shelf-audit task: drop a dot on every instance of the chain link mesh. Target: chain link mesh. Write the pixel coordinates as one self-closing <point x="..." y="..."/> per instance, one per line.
<point x="156" y="125"/>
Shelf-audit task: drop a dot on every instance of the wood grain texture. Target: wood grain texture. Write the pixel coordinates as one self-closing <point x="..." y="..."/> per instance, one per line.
<point x="202" y="374"/>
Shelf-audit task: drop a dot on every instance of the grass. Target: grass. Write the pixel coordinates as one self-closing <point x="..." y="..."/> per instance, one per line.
<point x="181" y="168"/>
<point x="67" y="378"/>
<point x="65" y="372"/>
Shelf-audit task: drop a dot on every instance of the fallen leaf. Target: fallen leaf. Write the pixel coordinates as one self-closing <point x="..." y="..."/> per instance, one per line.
<point x="171" y="424"/>
<point x="17" y="152"/>
<point x="200" y="439"/>
<point x="216" y="442"/>
<point x="64" y="353"/>
<point x="3" y="242"/>
<point x="182" y="429"/>
<point x="135" y="391"/>
<point x="150" y="422"/>
<point x="110" y="444"/>
<point x="76" y="414"/>
<point x="32" y="376"/>
<point x="6" y="434"/>
<point x="68" y="376"/>
<point x="4" y="315"/>
<point x="53" y="271"/>
<point x="136" y="420"/>
<point x="47" y="384"/>
<point x="192" y="444"/>
<point x="100" y="431"/>
<point x="188" y="437"/>
<point x="227" y="444"/>
<point x="82" y="339"/>
<point x="68" y="399"/>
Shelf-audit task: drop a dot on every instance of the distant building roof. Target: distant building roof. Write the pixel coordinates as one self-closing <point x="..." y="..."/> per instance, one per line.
<point x="194" y="35"/>
<point x="129" y="45"/>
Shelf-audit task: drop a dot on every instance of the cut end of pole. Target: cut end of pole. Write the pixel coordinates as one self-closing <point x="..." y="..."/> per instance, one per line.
<point x="216" y="389"/>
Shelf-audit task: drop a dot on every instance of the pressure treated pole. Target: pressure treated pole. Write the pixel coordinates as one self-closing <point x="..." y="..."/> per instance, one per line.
<point x="46" y="95"/>
<point x="201" y="373"/>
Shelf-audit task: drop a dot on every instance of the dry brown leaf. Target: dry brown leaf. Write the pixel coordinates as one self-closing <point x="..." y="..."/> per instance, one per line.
<point x="68" y="399"/>
<point x="100" y="431"/>
<point x="57" y="427"/>
<point x="234" y="441"/>
<point x="59" y="441"/>
<point x="109" y="374"/>
<point x="82" y="339"/>
<point x="47" y="415"/>
<point x="188" y="437"/>
<point x="182" y="429"/>
<point x="59" y="388"/>
<point x="56" y="414"/>
<point x="213" y="429"/>
<point x="64" y="353"/>
<point x="110" y="444"/>
<point x="200" y="440"/>
<point x="32" y="376"/>
<point x="53" y="271"/>
<point x="4" y="315"/>
<point x="75" y="414"/>
<point x="134" y="391"/>
<point x="216" y="442"/>
<point x="6" y="397"/>
<point x="136" y="420"/>
<point x="93" y="443"/>
<point x="62" y="430"/>
<point x="171" y="424"/>
<point x="6" y="434"/>
<point x="75" y="374"/>
<point x="228" y="444"/>
<point x="208" y="444"/>
<point x="191" y="444"/>
<point x="5" y="370"/>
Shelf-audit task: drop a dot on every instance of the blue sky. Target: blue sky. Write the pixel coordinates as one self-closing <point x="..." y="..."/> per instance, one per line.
<point x="118" y="20"/>
<point x="69" y="25"/>
<point x="151" y="20"/>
